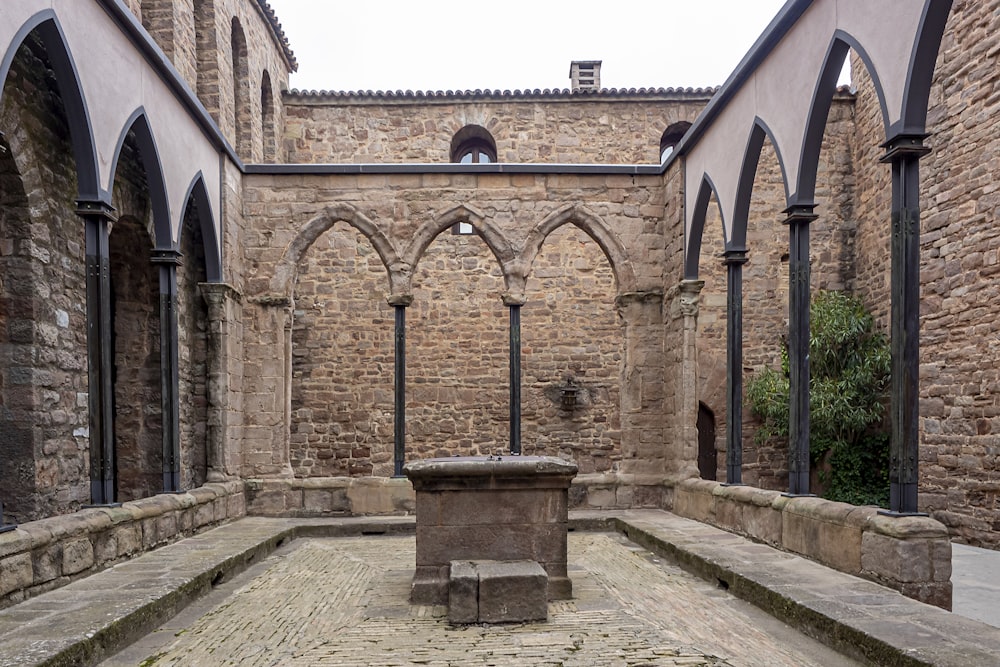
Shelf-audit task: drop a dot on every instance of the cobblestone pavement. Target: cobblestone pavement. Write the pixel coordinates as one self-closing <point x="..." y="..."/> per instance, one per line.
<point x="344" y="602"/>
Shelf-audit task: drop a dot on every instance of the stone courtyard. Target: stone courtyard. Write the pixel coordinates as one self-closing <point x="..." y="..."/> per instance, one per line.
<point x="343" y="601"/>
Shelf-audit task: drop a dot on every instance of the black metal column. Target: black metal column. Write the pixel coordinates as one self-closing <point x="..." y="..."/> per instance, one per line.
<point x="168" y="261"/>
<point x="4" y="527"/>
<point x="515" y="378"/>
<point x="734" y="259"/>
<point x="798" y="221"/>
<point x="399" y="415"/>
<point x="904" y="153"/>
<point x="98" y="218"/>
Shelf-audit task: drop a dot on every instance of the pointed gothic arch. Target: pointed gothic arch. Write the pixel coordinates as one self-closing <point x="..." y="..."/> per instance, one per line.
<point x="597" y="229"/>
<point x="283" y="281"/>
<point x="46" y="25"/>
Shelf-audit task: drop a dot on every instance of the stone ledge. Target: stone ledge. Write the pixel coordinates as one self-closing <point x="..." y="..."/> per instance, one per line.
<point x="857" y="617"/>
<point x="43" y="555"/>
<point x="909" y="554"/>
<point x="330" y="497"/>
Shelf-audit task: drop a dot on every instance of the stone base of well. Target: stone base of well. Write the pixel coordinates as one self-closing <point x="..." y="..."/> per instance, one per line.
<point x="478" y="508"/>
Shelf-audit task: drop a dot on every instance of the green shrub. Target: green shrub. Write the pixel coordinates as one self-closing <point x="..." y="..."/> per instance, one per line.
<point x="849" y="364"/>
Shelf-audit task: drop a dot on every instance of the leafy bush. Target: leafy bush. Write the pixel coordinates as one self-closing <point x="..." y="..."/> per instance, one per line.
<point x="849" y="364"/>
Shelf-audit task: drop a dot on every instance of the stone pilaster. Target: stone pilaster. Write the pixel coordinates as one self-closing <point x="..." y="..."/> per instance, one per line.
<point x="685" y="461"/>
<point x="642" y="384"/>
<point x="225" y="380"/>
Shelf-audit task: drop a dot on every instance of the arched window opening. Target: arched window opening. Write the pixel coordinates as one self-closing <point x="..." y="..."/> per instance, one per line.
<point x="671" y="137"/>
<point x="473" y="144"/>
<point x="242" y="120"/>
<point x="267" y="118"/>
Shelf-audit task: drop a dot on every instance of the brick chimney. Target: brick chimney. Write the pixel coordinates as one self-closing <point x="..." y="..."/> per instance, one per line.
<point x="585" y="75"/>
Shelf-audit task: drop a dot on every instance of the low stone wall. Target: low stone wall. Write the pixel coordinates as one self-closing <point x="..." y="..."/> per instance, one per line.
<point x="42" y="555"/>
<point x="359" y="496"/>
<point x="909" y="554"/>
<point x="618" y="491"/>
<point x="330" y="496"/>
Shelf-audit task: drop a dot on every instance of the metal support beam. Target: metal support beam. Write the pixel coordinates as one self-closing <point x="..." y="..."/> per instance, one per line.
<point x="168" y="261"/>
<point x="98" y="218"/>
<point x="734" y="259"/>
<point x="904" y="153"/>
<point x="399" y="414"/>
<point x="4" y="527"/>
<point x="798" y="219"/>
<point x="515" y="378"/>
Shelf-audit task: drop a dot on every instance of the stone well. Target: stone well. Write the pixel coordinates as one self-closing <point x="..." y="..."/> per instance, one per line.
<point x="484" y="508"/>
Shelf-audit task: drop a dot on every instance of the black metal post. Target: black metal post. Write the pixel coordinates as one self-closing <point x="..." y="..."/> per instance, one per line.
<point x="399" y="416"/>
<point x="798" y="221"/>
<point x="734" y="259"/>
<point x="4" y="527"/>
<point x="98" y="218"/>
<point x="515" y="378"/>
<point x="168" y="261"/>
<point x="904" y="153"/>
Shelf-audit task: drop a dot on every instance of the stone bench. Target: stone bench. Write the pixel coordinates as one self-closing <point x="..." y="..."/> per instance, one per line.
<point x="491" y="591"/>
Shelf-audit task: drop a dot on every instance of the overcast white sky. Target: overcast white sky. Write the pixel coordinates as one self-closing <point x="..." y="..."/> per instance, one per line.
<point x="511" y="44"/>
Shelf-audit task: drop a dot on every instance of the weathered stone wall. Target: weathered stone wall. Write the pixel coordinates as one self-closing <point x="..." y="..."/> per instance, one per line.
<point x="197" y="36"/>
<point x="558" y="128"/>
<point x="192" y="348"/>
<point x="457" y="324"/>
<point x="43" y="372"/>
<point x="960" y="263"/>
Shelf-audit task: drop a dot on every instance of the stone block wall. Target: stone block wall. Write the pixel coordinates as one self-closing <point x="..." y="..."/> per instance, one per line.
<point x="960" y="264"/>
<point x="340" y="334"/>
<point x="608" y="128"/>
<point x="44" y="425"/>
<point x="42" y="555"/>
<point x="197" y="36"/>
<point x="909" y="554"/>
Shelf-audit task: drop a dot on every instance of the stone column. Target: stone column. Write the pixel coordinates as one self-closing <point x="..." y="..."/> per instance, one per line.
<point x="903" y="153"/>
<point x="224" y="316"/>
<point x="690" y="296"/>
<point x="798" y="219"/>
<point x="98" y="218"/>
<point x="514" y="304"/>
<point x="642" y="384"/>
<point x="399" y="304"/>
<point x="734" y="259"/>
<point x="168" y="260"/>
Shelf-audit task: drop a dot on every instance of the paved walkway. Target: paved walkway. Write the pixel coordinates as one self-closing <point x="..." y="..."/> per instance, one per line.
<point x="319" y="602"/>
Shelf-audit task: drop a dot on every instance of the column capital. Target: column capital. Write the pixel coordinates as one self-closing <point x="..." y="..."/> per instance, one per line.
<point x="403" y="300"/>
<point x="627" y="298"/>
<point x="799" y="214"/>
<point x="167" y="256"/>
<point x="511" y="299"/>
<point x="96" y="208"/>
<point x="734" y="255"/>
<point x="217" y="292"/>
<point x="904" y="145"/>
<point x="690" y="293"/>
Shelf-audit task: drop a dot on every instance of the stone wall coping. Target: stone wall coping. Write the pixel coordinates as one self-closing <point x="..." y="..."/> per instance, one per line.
<point x="481" y="466"/>
<point x="908" y="553"/>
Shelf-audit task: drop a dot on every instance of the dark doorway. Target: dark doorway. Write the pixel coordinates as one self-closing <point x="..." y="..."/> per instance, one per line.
<point x="707" y="463"/>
